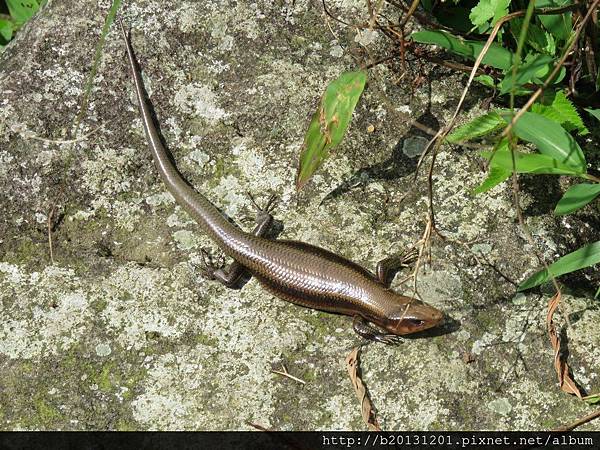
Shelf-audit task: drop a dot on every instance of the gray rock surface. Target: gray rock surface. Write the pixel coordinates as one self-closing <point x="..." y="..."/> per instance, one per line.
<point x="121" y="332"/>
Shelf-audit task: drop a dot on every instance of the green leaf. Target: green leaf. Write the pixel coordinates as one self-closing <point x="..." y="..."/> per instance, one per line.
<point x="592" y="399"/>
<point x="594" y="112"/>
<point x="537" y="38"/>
<point x="562" y="111"/>
<point x="497" y="56"/>
<point x="486" y="80"/>
<point x="586" y="256"/>
<point x="560" y="25"/>
<point x="540" y="40"/>
<point x="487" y="10"/>
<point x="87" y="89"/>
<point x="329" y="122"/>
<point x="496" y="176"/>
<point x="22" y="10"/>
<point x="534" y="69"/>
<point x="530" y="163"/>
<point x="6" y="31"/>
<point x="550" y="138"/>
<point x="479" y="126"/>
<point x="577" y="197"/>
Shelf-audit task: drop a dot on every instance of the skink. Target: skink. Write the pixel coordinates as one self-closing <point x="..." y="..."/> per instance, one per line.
<point x="294" y="271"/>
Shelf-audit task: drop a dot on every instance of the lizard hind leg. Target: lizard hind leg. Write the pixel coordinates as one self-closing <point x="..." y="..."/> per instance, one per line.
<point x="388" y="268"/>
<point x="232" y="275"/>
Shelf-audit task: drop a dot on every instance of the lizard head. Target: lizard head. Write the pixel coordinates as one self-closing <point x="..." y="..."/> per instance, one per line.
<point x="411" y="316"/>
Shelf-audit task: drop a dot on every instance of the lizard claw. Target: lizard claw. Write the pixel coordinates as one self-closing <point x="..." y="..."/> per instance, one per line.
<point x="211" y="264"/>
<point x="370" y="332"/>
<point x="409" y="257"/>
<point x="388" y="339"/>
<point x="269" y="206"/>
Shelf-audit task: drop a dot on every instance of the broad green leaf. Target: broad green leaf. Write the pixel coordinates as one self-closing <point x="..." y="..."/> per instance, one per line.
<point x="329" y="122"/>
<point x="560" y="25"/>
<point x="486" y="11"/>
<point x="530" y="163"/>
<point x="586" y="256"/>
<point x="562" y="111"/>
<point x="577" y="197"/>
<point x="22" y="10"/>
<point x="550" y="138"/>
<point x="594" y="112"/>
<point x="6" y="31"/>
<point x="479" y="126"/>
<point x="497" y="56"/>
<point x="592" y="399"/>
<point x="532" y="70"/>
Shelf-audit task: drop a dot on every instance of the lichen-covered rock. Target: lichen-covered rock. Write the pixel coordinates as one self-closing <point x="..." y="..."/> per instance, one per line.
<point x="120" y="331"/>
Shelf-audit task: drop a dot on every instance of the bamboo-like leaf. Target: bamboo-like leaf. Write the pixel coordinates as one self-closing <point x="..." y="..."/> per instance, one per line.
<point x="550" y="138"/>
<point x="530" y="163"/>
<point x="577" y="197"/>
<point x="497" y="56"/>
<point x="329" y="122"/>
<point x="586" y="256"/>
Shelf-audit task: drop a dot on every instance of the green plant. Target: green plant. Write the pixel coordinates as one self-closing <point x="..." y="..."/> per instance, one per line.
<point x="528" y="49"/>
<point x="19" y="12"/>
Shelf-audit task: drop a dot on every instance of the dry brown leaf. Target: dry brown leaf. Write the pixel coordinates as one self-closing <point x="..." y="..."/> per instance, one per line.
<point x="565" y="381"/>
<point x="367" y="410"/>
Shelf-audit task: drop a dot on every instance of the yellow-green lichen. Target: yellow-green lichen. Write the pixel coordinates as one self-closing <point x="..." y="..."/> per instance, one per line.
<point x="46" y="413"/>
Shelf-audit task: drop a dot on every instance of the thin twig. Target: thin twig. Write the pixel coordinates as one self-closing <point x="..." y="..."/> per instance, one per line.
<point x="435" y="143"/>
<point x="452" y="65"/>
<point x="337" y="19"/>
<point x="49" y="222"/>
<point x="409" y="13"/>
<point x="284" y="372"/>
<point x="579" y="422"/>
<point x="421" y="18"/>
